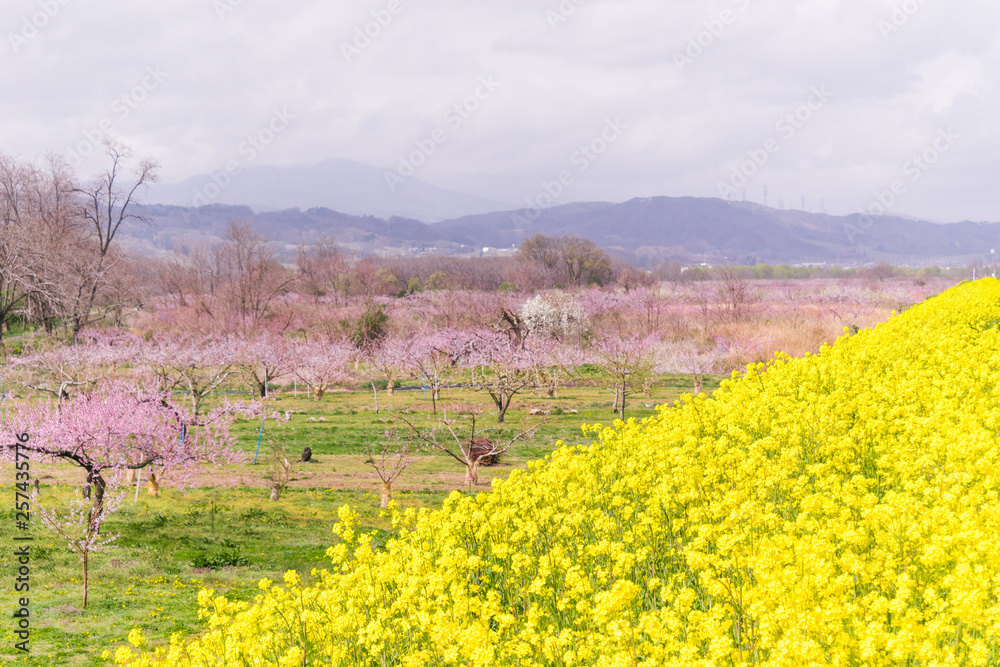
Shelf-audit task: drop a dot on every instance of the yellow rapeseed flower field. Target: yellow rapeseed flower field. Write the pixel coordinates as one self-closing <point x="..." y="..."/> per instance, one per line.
<point x="840" y="509"/>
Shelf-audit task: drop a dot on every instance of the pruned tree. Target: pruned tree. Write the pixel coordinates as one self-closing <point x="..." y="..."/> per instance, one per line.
<point x="199" y="367"/>
<point x="691" y="358"/>
<point x="393" y="454"/>
<point x="279" y="468"/>
<point x="59" y="369"/>
<point x="465" y="443"/>
<point x="80" y="527"/>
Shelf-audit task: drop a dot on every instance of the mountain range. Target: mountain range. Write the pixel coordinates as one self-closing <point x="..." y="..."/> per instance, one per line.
<point x="354" y="204"/>
<point x="644" y="231"/>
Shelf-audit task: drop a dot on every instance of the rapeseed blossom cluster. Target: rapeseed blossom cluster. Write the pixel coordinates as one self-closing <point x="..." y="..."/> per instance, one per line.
<point x="839" y="509"/>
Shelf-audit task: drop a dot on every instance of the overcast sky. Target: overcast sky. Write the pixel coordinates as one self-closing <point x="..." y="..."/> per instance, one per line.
<point x="683" y="92"/>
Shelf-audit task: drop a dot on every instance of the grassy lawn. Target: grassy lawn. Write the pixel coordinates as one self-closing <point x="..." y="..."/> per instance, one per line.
<point x="224" y="534"/>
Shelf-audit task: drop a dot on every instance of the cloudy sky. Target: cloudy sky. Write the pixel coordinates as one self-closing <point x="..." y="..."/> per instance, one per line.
<point x="834" y="101"/>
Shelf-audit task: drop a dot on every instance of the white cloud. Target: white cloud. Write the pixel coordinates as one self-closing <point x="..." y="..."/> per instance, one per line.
<point x="608" y="58"/>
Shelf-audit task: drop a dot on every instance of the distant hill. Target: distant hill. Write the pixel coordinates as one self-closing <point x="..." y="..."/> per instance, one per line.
<point x="696" y="229"/>
<point x="342" y="185"/>
<point x="645" y="231"/>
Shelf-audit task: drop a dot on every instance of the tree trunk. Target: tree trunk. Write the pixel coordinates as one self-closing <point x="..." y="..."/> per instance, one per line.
<point x="85" y="557"/>
<point x="153" y="485"/>
<point x="614" y="408"/>
<point x="697" y="384"/>
<point x="318" y="393"/>
<point x="472" y="473"/>
<point x="502" y="410"/>
<point x="622" y="415"/>
<point x="99" y="486"/>
<point x="386" y="494"/>
<point x="375" y="391"/>
<point x="274" y="493"/>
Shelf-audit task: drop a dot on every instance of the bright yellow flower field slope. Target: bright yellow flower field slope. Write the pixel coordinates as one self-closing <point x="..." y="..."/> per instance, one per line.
<point x="839" y="509"/>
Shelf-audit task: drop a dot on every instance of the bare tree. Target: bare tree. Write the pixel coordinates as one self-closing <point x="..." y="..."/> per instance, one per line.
<point x="106" y="204"/>
<point x="733" y="291"/>
<point x="319" y="267"/>
<point x="37" y="235"/>
<point x="470" y="448"/>
<point x="279" y="468"/>
<point x="389" y="458"/>
<point x="253" y="277"/>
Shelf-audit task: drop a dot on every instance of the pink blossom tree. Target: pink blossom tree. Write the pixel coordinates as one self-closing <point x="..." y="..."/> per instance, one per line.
<point x="320" y="366"/>
<point x="80" y="526"/>
<point x="197" y="367"/>
<point x="63" y="368"/>
<point x="502" y="368"/>
<point x="114" y="428"/>
<point x="433" y="356"/>
<point x="691" y="359"/>
<point x="261" y="361"/>
<point x="560" y="363"/>
<point x="382" y="360"/>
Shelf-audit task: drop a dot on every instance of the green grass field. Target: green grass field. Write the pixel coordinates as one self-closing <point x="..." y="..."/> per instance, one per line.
<point x="226" y="535"/>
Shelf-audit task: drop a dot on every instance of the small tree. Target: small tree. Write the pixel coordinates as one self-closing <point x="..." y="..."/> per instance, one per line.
<point x="469" y="447"/>
<point x="80" y="526"/>
<point x="695" y="361"/>
<point x="629" y="361"/>
<point x="279" y="469"/>
<point x="432" y="356"/>
<point x="389" y="458"/>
